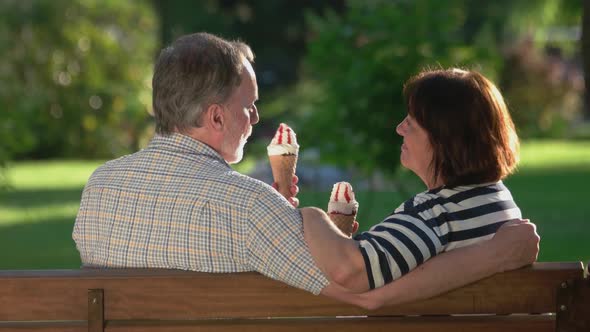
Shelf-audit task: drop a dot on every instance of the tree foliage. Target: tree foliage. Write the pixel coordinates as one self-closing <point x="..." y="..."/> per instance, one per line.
<point x="359" y="62"/>
<point x="74" y="77"/>
<point x="275" y="29"/>
<point x="350" y="99"/>
<point x="586" y="56"/>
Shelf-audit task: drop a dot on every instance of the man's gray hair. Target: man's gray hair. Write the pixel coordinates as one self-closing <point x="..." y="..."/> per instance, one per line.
<point x="194" y="72"/>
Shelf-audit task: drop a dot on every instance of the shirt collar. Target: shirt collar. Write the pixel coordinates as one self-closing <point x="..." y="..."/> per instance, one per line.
<point x="177" y="142"/>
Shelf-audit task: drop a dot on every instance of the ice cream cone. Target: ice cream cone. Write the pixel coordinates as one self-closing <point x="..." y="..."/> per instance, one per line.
<point x="343" y="207"/>
<point x="345" y="222"/>
<point x="283" y="169"/>
<point x="282" y="154"/>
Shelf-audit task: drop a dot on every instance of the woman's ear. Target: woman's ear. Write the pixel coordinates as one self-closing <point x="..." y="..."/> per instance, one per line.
<point x="215" y="117"/>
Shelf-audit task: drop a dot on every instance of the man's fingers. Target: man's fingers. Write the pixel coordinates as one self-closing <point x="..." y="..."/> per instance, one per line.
<point x="294" y="189"/>
<point x="516" y="222"/>
<point x="295" y="179"/>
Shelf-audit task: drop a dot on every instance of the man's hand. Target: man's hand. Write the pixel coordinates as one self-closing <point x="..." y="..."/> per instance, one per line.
<point x="294" y="191"/>
<point x="517" y="243"/>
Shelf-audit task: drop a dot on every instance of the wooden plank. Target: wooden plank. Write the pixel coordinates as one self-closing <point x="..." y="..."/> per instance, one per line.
<point x="60" y="326"/>
<point x="95" y="310"/>
<point x="573" y="306"/>
<point x="536" y="323"/>
<point x="528" y="290"/>
<point x="165" y="294"/>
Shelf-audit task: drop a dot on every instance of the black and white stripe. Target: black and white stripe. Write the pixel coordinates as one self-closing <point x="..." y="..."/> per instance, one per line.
<point x="432" y="222"/>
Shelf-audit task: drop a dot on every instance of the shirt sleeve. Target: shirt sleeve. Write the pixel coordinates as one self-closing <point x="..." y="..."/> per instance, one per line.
<point x="396" y="246"/>
<point x="79" y="234"/>
<point x="276" y="244"/>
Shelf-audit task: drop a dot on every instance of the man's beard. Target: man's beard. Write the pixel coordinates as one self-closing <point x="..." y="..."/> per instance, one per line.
<point x="238" y="150"/>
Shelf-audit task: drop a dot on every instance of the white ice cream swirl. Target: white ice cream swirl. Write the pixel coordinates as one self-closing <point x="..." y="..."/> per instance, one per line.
<point x="342" y="199"/>
<point x="284" y="142"/>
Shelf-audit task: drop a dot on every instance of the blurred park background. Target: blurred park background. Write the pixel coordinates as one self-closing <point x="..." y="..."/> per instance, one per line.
<point x="75" y="90"/>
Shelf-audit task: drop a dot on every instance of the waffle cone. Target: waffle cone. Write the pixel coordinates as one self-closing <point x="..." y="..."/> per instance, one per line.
<point x="344" y="222"/>
<point x="283" y="170"/>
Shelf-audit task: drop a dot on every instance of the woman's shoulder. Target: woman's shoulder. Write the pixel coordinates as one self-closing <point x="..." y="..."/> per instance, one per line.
<point x="441" y="196"/>
<point x="416" y="202"/>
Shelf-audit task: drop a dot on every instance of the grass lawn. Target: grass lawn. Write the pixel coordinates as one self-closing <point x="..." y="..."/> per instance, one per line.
<point x="551" y="187"/>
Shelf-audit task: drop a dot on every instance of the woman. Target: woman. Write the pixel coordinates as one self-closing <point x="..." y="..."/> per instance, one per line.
<point x="460" y="140"/>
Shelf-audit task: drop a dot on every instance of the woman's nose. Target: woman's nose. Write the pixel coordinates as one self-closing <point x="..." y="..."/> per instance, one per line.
<point x="400" y="128"/>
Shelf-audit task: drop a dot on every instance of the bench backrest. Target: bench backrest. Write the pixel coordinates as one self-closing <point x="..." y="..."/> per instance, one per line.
<point x="169" y="300"/>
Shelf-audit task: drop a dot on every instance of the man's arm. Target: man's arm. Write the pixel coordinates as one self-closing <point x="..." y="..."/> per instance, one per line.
<point x="514" y="245"/>
<point x="336" y="255"/>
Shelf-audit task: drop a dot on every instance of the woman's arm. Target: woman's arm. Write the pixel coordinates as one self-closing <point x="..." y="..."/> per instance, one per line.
<point x="514" y="245"/>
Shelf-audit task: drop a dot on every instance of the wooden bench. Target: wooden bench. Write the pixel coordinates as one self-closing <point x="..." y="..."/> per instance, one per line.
<point x="543" y="297"/>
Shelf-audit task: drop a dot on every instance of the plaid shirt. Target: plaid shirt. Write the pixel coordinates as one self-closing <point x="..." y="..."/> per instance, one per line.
<point x="177" y="204"/>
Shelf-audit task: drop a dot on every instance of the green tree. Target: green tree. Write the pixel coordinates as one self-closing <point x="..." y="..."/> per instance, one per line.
<point x="350" y="98"/>
<point x="74" y="77"/>
<point x="357" y="64"/>
<point x="275" y="29"/>
<point x="586" y="56"/>
<point x="539" y="78"/>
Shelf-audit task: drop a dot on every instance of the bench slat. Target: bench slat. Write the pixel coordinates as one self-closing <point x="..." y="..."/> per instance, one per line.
<point x="75" y="326"/>
<point x="179" y="295"/>
<point x="527" y="290"/>
<point x="536" y="323"/>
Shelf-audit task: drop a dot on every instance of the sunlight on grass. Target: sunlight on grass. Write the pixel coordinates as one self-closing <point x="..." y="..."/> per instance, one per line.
<point x="16" y="215"/>
<point x="38" y="212"/>
<point x="555" y="154"/>
<point x="50" y="174"/>
<point x="245" y="166"/>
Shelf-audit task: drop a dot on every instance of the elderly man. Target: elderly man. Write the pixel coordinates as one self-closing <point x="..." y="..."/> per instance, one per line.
<point x="178" y="204"/>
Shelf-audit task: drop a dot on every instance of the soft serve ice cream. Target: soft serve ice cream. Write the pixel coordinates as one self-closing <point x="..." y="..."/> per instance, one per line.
<point x="343" y="207"/>
<point x="282" y="153"/>
<point x="284" y="142"/>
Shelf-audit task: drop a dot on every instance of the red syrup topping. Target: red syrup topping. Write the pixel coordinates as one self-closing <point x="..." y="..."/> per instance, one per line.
<point x="281" y="134"/>
<point x="346" y="195"/>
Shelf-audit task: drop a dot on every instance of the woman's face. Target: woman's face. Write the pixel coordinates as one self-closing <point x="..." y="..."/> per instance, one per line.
<point x="416" y="152"/>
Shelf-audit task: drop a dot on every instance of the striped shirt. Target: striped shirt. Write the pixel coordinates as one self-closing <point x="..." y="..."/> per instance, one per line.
<point x="432" y="222"/>
<point x="177" y="204"/>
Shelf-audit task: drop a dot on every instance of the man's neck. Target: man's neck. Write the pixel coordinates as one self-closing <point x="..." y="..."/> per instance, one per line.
<point x="202" y="135"/>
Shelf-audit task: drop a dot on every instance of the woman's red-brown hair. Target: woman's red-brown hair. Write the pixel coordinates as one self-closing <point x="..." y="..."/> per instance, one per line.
<point x="471" y="132"/>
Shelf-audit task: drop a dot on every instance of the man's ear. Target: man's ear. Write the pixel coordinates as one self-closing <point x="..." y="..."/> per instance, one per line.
<point x="215" y="117"/>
